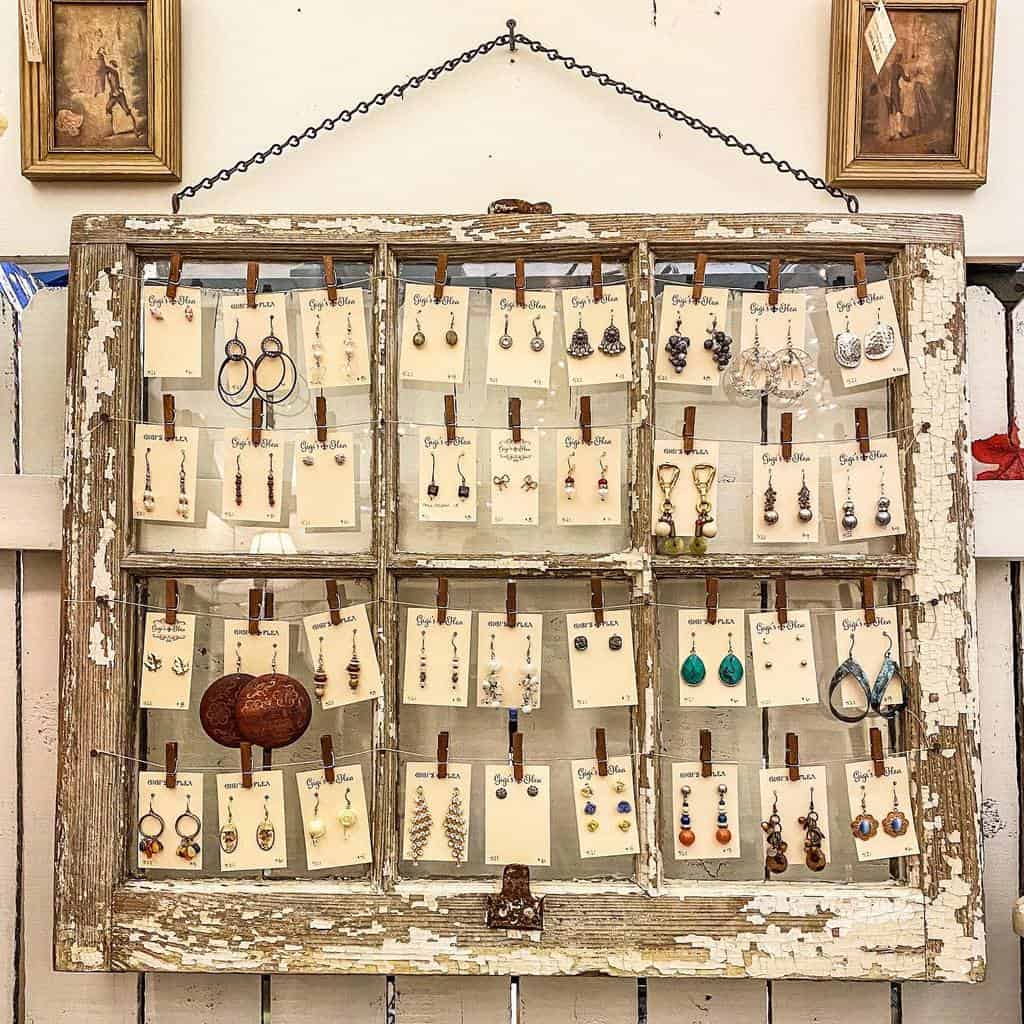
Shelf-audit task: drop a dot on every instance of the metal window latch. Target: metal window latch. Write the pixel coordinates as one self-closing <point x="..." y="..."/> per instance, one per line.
<point x="515" y="907"/>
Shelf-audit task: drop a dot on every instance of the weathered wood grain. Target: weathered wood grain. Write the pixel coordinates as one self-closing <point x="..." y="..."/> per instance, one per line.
<point x="202" y="999"/>
<point x="706" y="1002"/>
<point x="561" y="1001"/>
<point x="298" y="1000"/>
<point x="421" y="1000"/>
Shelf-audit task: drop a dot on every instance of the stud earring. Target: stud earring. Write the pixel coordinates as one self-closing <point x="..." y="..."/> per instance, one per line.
<point x="463" y="491"/>
<point x="615" y="642"/>
<point x="569" y="484"/>
<point x="451" y="337"/>
<point x="775" y="858"/>
<point x="432" y="489"/>
<point x="849" y="669"/>
<point x="455" y="661"/>
<point x="455" y="827"/>
<point x="814" y="855"/>
<point x="266" y="834"/>
<point x="148" y="497"/>
<point x="238" y="481"/>
<point x="885" y="676"/>
<point x="580" y="642"/>
<point x="579" y="345"/>
<point x="152" y="662"/>
<point x="677" y="347"/>
<point x="771" y="516"/>
<point x="501" y="792"/>
<point x="187" y="826"/>
<point x="492" y="682"/>
<point x="151" y="827"/>
<point x="880" y="340"/>
<point x="864" y="826"/>
<point x="723" y="835"/>
<point x="423" y="659"/>
<point x="730" y="670"/>
<point x="686" y="834"/>
<point x="803" y="500"/>
<point x="422" y="823"/>
<point x="308" y="459"/>
<point x="693" y="670"/>
<point x="316" y="828"/>
<point x="668" y="477"/>
<point x="796" y="374"/>
<point x="419" y="339"/>
<point x="183" y="503"/>
<point x="529" y="484"/>
<point x="229" y="831"/>
<point x="602" y="480"/>
<point x="501" y="482"/>
<point x="882" y="514"/>
<point x="849" y="510"/>
<point x="270" y="480"/>
<point x="611" y="340"/>
<point x="847" y="348"/>
<point x="354" y="668"/>
<point x="703" y="477"/>
<point x="320" y="675"/>
<point x="179" y="667"/>
<point x="530" y="694"/>
<point x="347" y="818"/>
<point x="505" y="341"/>
<point x="719" y="344"/>
<point x="590" y="808"/>
<point x="532" y="790"/>
<point x="895" y="823"/>
<point x="536" y="342"/>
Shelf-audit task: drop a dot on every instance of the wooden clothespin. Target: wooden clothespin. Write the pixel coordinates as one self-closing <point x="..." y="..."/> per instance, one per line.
<point x="860" y="275"/>
<point x="511" y="607"/>
<point x="786" y="435"/>
<point x="442" y="600"/>
<point x="515" y="422"/>
<point x="440" y="276"/>
<point x="256" y="422"/>
<point x="320" y="418"/>
<point x="170" y="602"/>
<point x="601" y="752"/>
<point x="877" y="756"/>
<point x="781" y="602"/>
<point x="255" y="608"/>
<point x="699" y="268"/>
<point x="170" y="764"/>
<point x="860" y="418"/>
<point x="596" y="277"/>
<point x="327" y="758"/>
<point x="520" y="282"/>
<point x="330" y="280"/>
<point x="442" y="755"/>
<point x="597" y="600"/>
<point x="867" y="599"/>
<point x="268" y="603"/>
<point x="517" y="756"/>
<point x="252" y="282"/>
<point x="169" y="415"/>
<point x="705" y="753"/>
<point x="586" y="423"/>
<point x="793" y="756"/>
<point x="245" y="756"/>
<point x="449" y="418"/>
<point x="711" y="599"/>
<point x="774" y="274"/>
<point x="333" y="601"/>
<point x="174" y="276"/>
<point x="689" y="426"/>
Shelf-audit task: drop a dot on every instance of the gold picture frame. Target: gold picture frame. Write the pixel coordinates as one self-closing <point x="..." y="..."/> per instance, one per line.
<point x="923" y="120"/>
<point x="104" y="103"/>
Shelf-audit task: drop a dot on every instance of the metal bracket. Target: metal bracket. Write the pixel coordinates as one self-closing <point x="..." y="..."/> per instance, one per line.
<point x="515" y="907"/>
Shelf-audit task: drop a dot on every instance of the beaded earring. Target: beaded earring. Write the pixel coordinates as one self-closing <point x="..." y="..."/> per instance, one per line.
<point x="148" y="497"/>
<point x="849" y="509"/>
<point x="316" y="828"/>
<point x="722" y="833"/>
<point x="492" y="681"/>
<point x="677" y="347"/>
<point x="775" y="858"/>
<point x="530" y="695"/>
<point x="187" y="826"/>
<point x="320" y="674"/>
<point x="569" y="484"/>
<point x="814" y="855"/>
<point x="455" y="827"/>
<point x="354" y="668"/>
<point x="771" y="515"/>
<point x="183" y="503"/>
<point x="686" y="835"/>
<point x="238" y="481"/>
<point x="455" y="661"/>
<point x="602" y="480"/>
<point x="151" y="827"/>
<point x="883" y="517"/>
<point x="347" y="818"/>
<point x="423" y="659"/>
<point x="803" y="500"/>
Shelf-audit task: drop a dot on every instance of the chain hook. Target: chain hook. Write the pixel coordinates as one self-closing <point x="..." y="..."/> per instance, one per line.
<point x="511" y="23"/>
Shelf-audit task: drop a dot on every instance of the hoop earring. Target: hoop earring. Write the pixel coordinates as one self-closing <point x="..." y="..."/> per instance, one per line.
<point x="796" y="374"/>
<point x="188" y="848"/>
<point x="850" y="668"/>
<point x="235" y="352"/>
<point x="890" y="669"/>
<point x="271" y="347"/>
<point x="151" y="827"/>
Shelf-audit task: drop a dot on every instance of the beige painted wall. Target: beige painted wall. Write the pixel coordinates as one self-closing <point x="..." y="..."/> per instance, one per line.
<point x="256" y="70"/>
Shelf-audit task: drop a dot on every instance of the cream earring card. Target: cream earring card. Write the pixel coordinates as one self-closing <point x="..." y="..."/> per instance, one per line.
<point x="785" y="498"/>
<point x="783" y="657"/>
<point x="602" y="670"/>
<point x="508" y="669"/>
<point x="589" y="478"/>
<point x="337" y="824"/>
<point x="676" y="492"/>
<point x="253" y="483"/>
<point x="434" y="334"/>
<point x="867" y="343"/>
<point x="257" y="655"/>
<point x="447" y="476"/>
<point x="515" y="478"/>
<point x="334" y="338"/>
<point x="681" y="320"/>
<point x="517" y="816"/>
<point x="173" y="332"/>
<point x="325" y="486"/>
<point x="251" y="326"/>
<point x="437" y="813"/>
<point x="519" y="339"/>
<point x="712" y="659"/>
<point x="167" y="651"/>
<point x="774" y="328"/>
<point x="171" y="822"/>
<point x="252" y="822"/>
<point x="345" y="654"/>
<point x="868" y="490"/>
<point x="870" y="644"/>
<point x="436" y="658"/>
<point x="793" y="800"/>
<point x="605" y="808"/>
<point x="881" y="816"/>
<point x="706" y="805"/>
<point x="164" y="474"/>
<point x="597" y="336"/>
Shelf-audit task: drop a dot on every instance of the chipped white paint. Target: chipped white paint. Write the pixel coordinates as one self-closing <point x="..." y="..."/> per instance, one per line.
<point x="715" y="229"/>
<point x="836" y="227"/>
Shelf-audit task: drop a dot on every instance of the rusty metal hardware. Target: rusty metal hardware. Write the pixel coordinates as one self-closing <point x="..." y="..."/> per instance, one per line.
<point x="515" y="907"/>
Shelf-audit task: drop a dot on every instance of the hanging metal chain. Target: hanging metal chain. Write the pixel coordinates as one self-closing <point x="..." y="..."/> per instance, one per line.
<point x="510" y="39"/>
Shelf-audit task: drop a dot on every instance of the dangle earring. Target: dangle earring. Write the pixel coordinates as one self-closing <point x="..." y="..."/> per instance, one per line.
<point x="847" y="348"/>
<point x="234" y="354"/>
<point x="864" y="826"/>
<point x="602" y="480"/>
<point x="536" y="342"/>
<point x="317" y="376"/>
<point x="151" y="827"/>
<point x="771" y="516"/>
<point x="755" y="374"/>
<point x="686" y="834"/>
<point x="229" y="832"/>
<point x="668" y="477"/>
<point x="814" y="855"/>
<point x="775" y="859"/>
<point x="347" y="818"/>
<point x="569" y="484"/>
<point x="463" y="491"/>
<point x="530" y="694"/>
<point x="419" y="829"/>
<point x="315" y="827"/>
<point x="849" y="669"/>
<point x="693" y="670"/>
<point x="492" y="682"/>
<point x="505" y="341"/>
<point x="320" y="675"/>
<point x="432" y="489"/>
<point x="849" y="510"/>
<point x="803" y="500"/>
<point x="266" y="834"/>
<point x="349" y="345"/>
<point x="187" y="826"/>
<point x="455" y="827"/>
<point x="880" y="340"/>
<point x="238" y="481"/>
<point x="889" y="669"/>
<point x="677" y="347"/>
<point x="882" y="514"/>
<point x="796" y="373"/>
<point x="730" y="671"/>
<point x="722" y="833"/>
<point x="148" y="497"/>
<point x="354" y="668"/>
<point x="270" y="480"/>
<point x="183" y="503"/>
<point x="419" y="339"/>
<point x="451" y="337"/>
<point x="579" y="345"/>
<point x="271" y="351"/>
<point x="423" y="659"/>
<point x="703" y="477"/>
<point x="895" y="823"/>
<point x="611" y="341"/>
<point x="719" y="344"/>
<point x="455" y="661"/>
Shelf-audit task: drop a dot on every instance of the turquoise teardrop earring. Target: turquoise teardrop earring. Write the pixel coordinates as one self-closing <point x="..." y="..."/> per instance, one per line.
<point x="730" y="671"/>
<point x="693" y="670"/>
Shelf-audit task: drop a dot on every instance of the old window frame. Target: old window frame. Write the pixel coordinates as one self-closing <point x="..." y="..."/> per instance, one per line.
<point x="929" y="929"/>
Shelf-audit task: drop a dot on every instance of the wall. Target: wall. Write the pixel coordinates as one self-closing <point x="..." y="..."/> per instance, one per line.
<point x="255" y="71"/>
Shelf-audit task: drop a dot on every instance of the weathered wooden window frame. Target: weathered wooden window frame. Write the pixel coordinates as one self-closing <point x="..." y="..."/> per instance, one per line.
<point x="928" y="929"/>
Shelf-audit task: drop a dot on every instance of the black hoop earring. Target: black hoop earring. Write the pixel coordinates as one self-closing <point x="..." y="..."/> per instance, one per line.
<point x="235" y="352"/>
<point x="271" y="347"/>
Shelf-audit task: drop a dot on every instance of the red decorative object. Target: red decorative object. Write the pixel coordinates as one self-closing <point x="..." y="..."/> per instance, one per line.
<point x="1003" y="451"/>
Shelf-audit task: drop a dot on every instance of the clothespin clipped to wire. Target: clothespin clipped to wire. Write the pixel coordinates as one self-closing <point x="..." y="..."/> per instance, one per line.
<point x="699" y="269"/>
<point x="252" y="282"/>
<point x="171" y="764"/>
<point x="442" y="600"/>
<point x="515" y="422"/>
<point x="511" y="609"/>
<point x="256" y="423"/>
<point x="442" y="755"/>
<point x="245" y="756"/>
<point x="255" y="610"/>
<point x="268" y="602"/>
<point x="781" y="602"/>
<point x="174" y="276"/>
<point x="334" y="601"/>
<point x="517" y="757"/>
<point x="793" y="756"/>
<point x="169" y="417"/>
<point x="586" y="423"/>
<point x="860" y="276"/>
<point x="689" y="426"/>
<point x="597" y="277"/>
<point x="597" y="600"/>
<point x="774" y="275"/>
<point x="327" y="758"/>
<point x="877" y="755"/>
<point x="705" y="754"/>
<point x="860" y="418"/>
<point x="601" y="752"/>
<point x="330" y="280"/>
<point x="171" y="600"/>
<point x="450" y="422"/>
<point x="440" y="276"/>
<point x="521" y="282"/>
<point x="711" y="599"/>
<point x="320" y="419"/>
<point x="867" y="599"/>
<point x="786" y="435"/>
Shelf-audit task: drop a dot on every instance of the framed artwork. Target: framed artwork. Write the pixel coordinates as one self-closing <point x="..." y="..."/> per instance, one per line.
<point x="104" y="100"/>
<point x="922" y="119"/>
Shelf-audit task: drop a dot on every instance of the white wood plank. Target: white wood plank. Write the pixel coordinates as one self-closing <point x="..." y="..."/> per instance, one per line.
<point x="577" y="1001"/>
<point x="30" y="513"/>
<point x="300" y="999"/>
<point x="997" y="505"/>
<point x="831" y="1002"/>
<point x="452" y="1000"/>
<point x="999" y="999"/>
<point x="986" y="348"/>
<point x="1017" y="343"/>
<point x="706" y="1002"/>
<point x="202" y="999"/>
<point x="8" y="385"/>
<point x="49" y="997"/>
<point x="9" y="851"/>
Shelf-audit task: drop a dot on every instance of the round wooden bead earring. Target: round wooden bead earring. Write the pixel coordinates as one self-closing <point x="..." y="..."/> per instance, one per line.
<point x="686" y="835"/>
<point x="722" y="833"/>
<point x="775" y="859"/>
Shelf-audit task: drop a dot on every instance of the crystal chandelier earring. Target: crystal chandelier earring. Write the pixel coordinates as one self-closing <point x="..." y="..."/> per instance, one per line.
<point x="796" y="375"/>
<point x="420" y="827"/>
<point x="611" y="341"/>
<point x="455" y="827"/>
<point x="579" y="345"/>
<point x="755" y="373"/>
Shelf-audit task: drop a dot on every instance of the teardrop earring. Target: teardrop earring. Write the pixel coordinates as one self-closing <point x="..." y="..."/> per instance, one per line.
<point x="451" y="337"/>
<point x="775" y="858"/>
<point x="730" y="671"/>
<point x="849" y="669"/>
<point x="864" y="826"/>
<point x="693" y="670"/>
<point x="889" y="670"/>
<point x="771" y="516"/>
<point x="895" y="823"/>
<point x="686" y="834"/>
